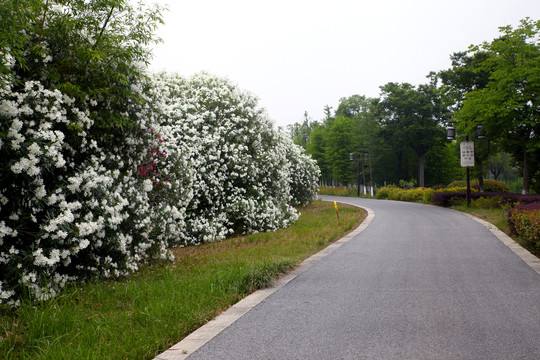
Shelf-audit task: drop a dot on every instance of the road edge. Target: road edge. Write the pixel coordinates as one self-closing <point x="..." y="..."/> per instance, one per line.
<point x="195" y="340"/>
<point x="523" y="253"/>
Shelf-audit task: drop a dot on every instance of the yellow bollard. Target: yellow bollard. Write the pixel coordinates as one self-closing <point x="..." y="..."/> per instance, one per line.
<point x="337" y="212"/>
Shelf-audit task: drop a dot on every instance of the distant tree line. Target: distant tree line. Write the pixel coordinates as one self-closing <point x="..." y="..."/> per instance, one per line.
<point x="491" y="90"/>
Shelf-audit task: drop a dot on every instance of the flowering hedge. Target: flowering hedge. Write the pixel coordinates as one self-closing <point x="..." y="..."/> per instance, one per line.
<point x="104" y="167"/>
<point x="392" y="192"/>
<point x="446" y="199"/>
<point x="516" y="220"/>
<point x="526" y="223"/>
<point x="489" y="185"/>
<point x="245" y="175"/>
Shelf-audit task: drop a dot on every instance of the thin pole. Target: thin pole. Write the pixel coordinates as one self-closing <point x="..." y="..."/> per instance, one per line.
<point x="468" y="181"/>
<point x="370" y="174"/>
<point x="358" y="177"/>
<point x="364" y="172"/>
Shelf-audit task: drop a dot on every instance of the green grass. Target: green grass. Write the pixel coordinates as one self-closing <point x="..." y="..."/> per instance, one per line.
<point x="143" y="315"/>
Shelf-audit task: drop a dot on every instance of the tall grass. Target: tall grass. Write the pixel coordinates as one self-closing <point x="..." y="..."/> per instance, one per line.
<point x="143" y="315"/>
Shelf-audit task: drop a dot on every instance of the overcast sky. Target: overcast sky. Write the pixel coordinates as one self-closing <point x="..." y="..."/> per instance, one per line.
<point x="300" y="55"/>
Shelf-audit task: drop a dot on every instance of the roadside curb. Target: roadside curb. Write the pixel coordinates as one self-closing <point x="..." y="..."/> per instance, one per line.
<point x="523" y="253"/>
<point x="205" y="333"/>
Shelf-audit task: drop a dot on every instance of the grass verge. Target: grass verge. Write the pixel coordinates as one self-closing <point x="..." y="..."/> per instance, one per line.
<point x="143" y="315"/>
<point x="499" y="218"/>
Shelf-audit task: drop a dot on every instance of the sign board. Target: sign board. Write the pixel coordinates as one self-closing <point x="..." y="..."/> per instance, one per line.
<point x="467" y="153"/>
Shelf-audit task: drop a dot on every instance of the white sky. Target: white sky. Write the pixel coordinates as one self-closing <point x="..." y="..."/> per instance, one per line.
<point x="300" y="55"/>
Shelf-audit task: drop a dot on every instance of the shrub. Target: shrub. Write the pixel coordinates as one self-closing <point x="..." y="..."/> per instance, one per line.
<point x="387" y="192"/>
<point x="445" y="198"/>
<point x="303" y="173"/>
<point x="412" y="195"/>
<point x="104" y="167"/>
<point x="489" y="185"/>
<point x="490" y="202"/>
<point x="71" y="138"/>
<point x="457" y="183"/>
<point x="393" y="192"/>
<point x="428" y="193"/>
<point x="520" y="207"/>
<point x="526" y="223"/>
<point x="404" y="184"/>
<point x="241" y="181"/>
<point x="493" y="186"/>
<point x="456" y="189"/>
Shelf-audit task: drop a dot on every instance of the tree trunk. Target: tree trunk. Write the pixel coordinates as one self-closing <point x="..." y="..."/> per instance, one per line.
<point x="421" y="169"/>
<point x="399" y="155"/>
<point x="358" y="178"/>
<point x="480" y="176"/>
<point x="525" y="187"/>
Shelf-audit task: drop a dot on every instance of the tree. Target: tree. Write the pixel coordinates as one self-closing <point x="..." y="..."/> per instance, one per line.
<point x="467" y="74"/>
<point x="508" y="105"/>
<point x="340" y="143"/>
<point x="300" y="132"/>
<point x="410" y="117"/>
<point x="316" y="148"/>
<point x="352" y="106"/>
<point x="499" y="165"/>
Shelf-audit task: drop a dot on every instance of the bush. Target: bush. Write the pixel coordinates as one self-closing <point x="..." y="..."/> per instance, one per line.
<point x="526" y="223"/>
<point x="489" y="185"/>
<point x="492" y="202"/>
<point x="445" y="198"/>
<point x="240" y="170"/>
<point x="404" y="184"/>
<point x="493" y="186"/>
<point x="387" y="192"/>
<point x="520" y="207"/>
<point x="457" y="183"/>
<point x="392" y="192"/>
<point x="428" y="193"/>
<point x="72" y="201"/>
<point x="412" y="195"/>
<point x="104" y="167"/>
<point x="303" y="173"/>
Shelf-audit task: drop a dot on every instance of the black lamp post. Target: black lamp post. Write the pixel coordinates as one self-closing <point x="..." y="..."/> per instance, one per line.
<point x="467" y="151"/>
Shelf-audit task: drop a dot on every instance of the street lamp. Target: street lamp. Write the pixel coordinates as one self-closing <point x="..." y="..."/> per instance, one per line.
<point x="466" y="153"/>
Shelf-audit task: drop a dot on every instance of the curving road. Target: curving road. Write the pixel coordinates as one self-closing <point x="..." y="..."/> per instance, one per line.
<point x="420" y="282"/>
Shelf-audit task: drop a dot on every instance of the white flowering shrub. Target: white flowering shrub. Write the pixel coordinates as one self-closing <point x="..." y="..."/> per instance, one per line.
<point x="103" y="168"/>
<point x="73" y="136"/>
<point x="241" y="173"/>
<point x="304" y="173"/>
<point x="75" y="208"/>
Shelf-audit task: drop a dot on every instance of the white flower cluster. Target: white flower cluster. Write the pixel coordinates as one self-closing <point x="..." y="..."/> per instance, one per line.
<point x="240" y="171"/>
<point x="304" y="173"/>
<point x="201" y="162"/>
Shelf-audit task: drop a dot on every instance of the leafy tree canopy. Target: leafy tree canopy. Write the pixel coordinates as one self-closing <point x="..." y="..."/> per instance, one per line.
<point x="508" y="106"/>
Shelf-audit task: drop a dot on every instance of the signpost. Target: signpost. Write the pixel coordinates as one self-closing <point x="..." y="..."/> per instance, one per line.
<point x="467" y="160"/>
<point x="467" y="153"/>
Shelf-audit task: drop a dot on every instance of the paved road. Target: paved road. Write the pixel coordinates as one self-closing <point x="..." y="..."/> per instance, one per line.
<point x="421" y="282"/>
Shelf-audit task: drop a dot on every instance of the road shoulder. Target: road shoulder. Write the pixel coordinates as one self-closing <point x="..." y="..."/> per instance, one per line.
<point x="207" y="332"/>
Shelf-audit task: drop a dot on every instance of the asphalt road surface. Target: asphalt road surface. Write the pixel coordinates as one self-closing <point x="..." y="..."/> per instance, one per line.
<point x="421" y="282"/>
